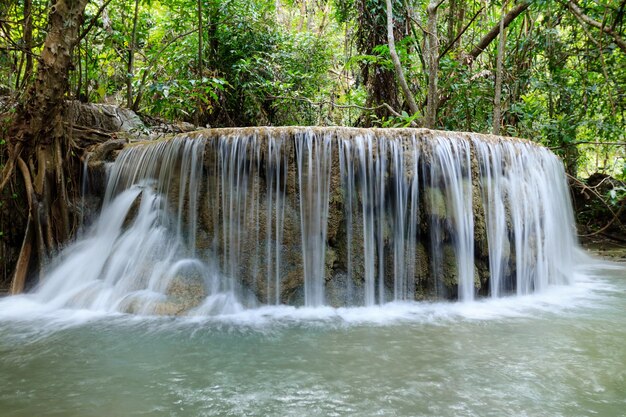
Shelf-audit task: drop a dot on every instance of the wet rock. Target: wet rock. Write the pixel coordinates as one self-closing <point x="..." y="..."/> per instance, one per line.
<point x="105" y="117"/>
<point x="435" y="202"/>
<point x="262" y="249"/>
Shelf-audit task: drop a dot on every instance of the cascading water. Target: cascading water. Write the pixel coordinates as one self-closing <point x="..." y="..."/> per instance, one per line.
<point x="313" y="156"/>
<point x="220" y="220"/>
<point x="450" y="174"/>
<point x="525" y="196"/>
<point x="387" y="214"/>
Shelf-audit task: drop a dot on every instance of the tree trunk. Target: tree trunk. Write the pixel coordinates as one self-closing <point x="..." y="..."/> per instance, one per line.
<point x="577" y="11"/>
<point x="486" y="40"/>
<point x="379" y="80"/>
<point x="131" y="59"/>
<point x="200" y="67"/>
<point x="497" y="100"/>
<point x="28" y="39"/>
<point x="451" y="22"/>
<point x="396" y="61"/>
<point x="433" y="65"/>
<point x="39" y="148"/>
<point x="459" y="25"/>
<point x="200" y="35"/>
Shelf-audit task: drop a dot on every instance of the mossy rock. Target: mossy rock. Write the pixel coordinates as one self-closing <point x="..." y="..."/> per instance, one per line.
<point x="435" y="202"/>
<point x="183" y="293"/>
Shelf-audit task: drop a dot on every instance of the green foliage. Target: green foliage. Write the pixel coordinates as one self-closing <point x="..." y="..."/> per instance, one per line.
<point x="404" y="120"/>
<point x="178" y="99"/>
<point x="345" y="10"/>
<point x="327" y="62"/>
<point x="249" y="62"/>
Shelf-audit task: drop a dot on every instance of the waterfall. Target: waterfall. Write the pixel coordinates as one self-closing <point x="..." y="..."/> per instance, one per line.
<point x="386" y="171"/>
<point x="525" y="195"/>
<point x="450" y="174"/>
<point x="225" y="219"/>
<point x="313" y="156"/>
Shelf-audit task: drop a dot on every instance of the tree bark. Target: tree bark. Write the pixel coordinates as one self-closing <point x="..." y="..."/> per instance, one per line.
<point x="433" y="65"/>
<point x="486" y="40"/>
<point x="408" y="95"/>
<point x="497" y="100"/>
<point x="200" y="47"/>
<point x="577" y="11"/>
<point x="28" y="38"/>
<point x="451" y="22"/>
<point x="198" y="108"/>
<point x="39" y="148"/>
<point x="131" y="59"/>
<point x="459" y="28"/>
<point x="379" y="80"/>
<point x="40" y="111"/>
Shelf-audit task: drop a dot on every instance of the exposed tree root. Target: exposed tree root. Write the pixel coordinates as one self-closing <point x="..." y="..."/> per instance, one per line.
<point x="615" y="215"/>
<point x="23" y="262"/>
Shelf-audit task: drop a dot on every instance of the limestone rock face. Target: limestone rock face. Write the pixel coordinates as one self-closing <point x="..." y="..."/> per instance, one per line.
<point x="105" y="117"/>
<point x="340" y="216"/>
<point x="186" y="292"/>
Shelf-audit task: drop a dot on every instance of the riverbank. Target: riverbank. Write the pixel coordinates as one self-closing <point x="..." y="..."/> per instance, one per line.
<point x="605" y="248"/>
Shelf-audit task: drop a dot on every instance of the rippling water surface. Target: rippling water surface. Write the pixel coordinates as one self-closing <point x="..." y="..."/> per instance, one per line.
<point x="561" y="353"/>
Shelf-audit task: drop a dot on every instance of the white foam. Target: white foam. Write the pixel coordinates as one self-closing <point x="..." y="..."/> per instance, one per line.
<point x="588" y="291"/>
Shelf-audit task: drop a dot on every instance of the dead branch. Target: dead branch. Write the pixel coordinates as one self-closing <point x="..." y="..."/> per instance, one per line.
<point x="615" y="215"/>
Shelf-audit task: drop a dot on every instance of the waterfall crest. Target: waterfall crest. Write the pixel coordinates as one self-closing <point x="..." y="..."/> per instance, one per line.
<point x="226" y="219"/>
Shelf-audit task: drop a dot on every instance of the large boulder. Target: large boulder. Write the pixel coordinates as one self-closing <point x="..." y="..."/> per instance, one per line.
<point x="105" y="117"/>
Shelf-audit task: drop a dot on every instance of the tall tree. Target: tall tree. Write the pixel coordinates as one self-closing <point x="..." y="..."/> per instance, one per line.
<point x="28" y="37"/>
<point x="408" y="95"/>
<point x="371" y="33"/>
<point x="617" y="38"/>
<point x="131" y="58"/>
<point x="432" y="54"/>
<point x="39" y="146"/>
<point x="497" y="100"/>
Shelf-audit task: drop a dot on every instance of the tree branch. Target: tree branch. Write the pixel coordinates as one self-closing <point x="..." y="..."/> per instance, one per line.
<point x="487" y="39"/>
<point x="92" y="22"/>
<point x="599" y="197"/>
<point x="591" y="22"/>
<point x="151" y="64"/>
<point x="495" y="31"/>
<point x="602" y="62"/>
<point x="620" y="14"/>
<point x="396" y="61"/>
<point x="590" y="143"/>
<point x="451" y="44"/>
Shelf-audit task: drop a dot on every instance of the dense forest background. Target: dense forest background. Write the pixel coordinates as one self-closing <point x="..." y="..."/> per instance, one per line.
<point x="557" y="76"/>
<point x="552" y="71"/>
